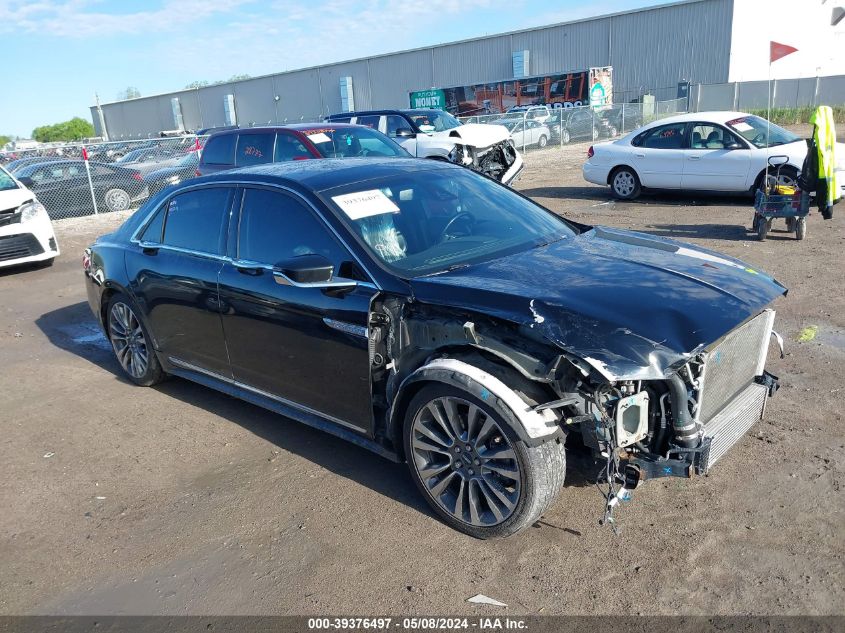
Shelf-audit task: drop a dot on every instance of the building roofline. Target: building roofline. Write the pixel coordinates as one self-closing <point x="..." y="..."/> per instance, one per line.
<point x="665" y="5"/>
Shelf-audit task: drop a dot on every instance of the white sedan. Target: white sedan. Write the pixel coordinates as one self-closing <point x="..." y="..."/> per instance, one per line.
<point x="701" y="151"/>
<point x="26" y="233"/>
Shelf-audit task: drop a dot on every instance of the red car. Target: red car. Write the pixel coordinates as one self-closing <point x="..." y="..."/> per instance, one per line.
<point x="258" y="145"/>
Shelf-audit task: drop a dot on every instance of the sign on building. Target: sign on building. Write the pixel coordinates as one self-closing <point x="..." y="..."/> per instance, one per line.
<point x="435" y="99"/>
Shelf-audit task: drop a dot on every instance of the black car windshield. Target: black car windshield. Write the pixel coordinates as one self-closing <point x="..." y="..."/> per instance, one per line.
<point x="6" y="181"/>
<point x="434" y="121"/>
<point x="353" y="141"/>
<point x="756" y="130"/>
<point x="428" y="221"/>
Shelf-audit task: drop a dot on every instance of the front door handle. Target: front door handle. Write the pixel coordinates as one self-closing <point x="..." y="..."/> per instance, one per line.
<point x="249" y="268"/>
<point x="694" y="157"/>
<point x="640" y="155"/>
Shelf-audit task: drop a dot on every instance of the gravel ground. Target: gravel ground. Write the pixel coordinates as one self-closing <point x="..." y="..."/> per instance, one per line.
<point x="177" y="499"/>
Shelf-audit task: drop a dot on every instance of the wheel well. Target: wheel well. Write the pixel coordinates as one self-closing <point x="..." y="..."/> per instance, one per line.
<point x="105" y="298"/>
<point x="617" y="168"/>
<point x="530" y="391"/>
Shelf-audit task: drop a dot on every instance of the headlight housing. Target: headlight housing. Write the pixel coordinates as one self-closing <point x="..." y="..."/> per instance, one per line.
<point x="30" y="210"/>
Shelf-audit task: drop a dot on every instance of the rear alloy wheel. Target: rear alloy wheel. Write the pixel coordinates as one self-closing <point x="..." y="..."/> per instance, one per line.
<point x="131" y="344"/>
<point x="625" y="184"/>
<point x="543" y="141"/>
<point x="473" y="469"/>
<point x="117" y="200"/>
<point x="565" y="137"/>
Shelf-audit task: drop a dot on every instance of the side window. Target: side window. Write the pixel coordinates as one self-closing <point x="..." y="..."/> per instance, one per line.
<point x="196" y="220"/>
<point x="288" y="147"/>
<point x="396" y="122"/>
<point x="275" y="226"/>
<point x="665" y="137"/>
<point x="341" y="119"/>
<point x="220" y="150"/>
<point x="152" y="233"/>
<point x="371" y="120"/>
<point x="254" y="149"/>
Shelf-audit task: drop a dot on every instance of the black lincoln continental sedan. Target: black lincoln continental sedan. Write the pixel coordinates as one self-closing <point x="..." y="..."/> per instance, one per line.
<point x="436" y="317"/>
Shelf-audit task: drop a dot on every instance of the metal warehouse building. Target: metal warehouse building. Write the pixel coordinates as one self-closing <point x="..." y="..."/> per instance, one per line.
<point x="651" y="50"/>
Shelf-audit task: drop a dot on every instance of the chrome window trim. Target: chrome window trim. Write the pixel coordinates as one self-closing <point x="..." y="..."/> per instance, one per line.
<point x="235" y="383"/>
<point x="372" y="283"/>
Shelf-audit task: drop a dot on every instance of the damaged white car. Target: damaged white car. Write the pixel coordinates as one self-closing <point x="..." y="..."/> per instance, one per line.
<point x="488" y="149"/>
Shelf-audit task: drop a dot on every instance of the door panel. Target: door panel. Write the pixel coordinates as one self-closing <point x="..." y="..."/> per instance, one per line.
<point x="177" y="292"/>
<point x="658" y="156"/>
<point x="175" y="276"/>
<point x="305" y="345"/>
<point x="299" y="344"/>
<point x="709" y="165"/>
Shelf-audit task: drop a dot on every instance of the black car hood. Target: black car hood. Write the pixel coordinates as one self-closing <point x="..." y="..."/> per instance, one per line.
<point x="631" y="305"/>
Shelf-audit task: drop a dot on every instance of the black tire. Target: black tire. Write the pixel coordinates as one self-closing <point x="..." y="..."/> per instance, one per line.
<point x="800" y="228"/>
<point x="763" y="228"/>
<point x="624" y="183"/>
<point x="541" y="468"/>
<point x="541" y="143"/>
<point x="152" y="373"/>
<point x="790" y="224"/>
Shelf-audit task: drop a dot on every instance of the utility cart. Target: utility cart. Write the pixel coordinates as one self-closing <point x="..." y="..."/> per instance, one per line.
<point x="776" y="200"/>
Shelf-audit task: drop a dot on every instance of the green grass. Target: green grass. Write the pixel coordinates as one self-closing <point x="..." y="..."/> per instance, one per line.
<point x="791" y="116"/>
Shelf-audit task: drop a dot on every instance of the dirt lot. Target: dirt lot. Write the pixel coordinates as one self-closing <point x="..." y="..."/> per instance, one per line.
<point x="122" y="500"/>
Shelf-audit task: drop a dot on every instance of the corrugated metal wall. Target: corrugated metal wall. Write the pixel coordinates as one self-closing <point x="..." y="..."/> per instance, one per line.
<point x="650" y="50"/>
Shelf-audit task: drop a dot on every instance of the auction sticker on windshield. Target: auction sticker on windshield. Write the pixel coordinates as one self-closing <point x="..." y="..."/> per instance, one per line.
<point x="319" y="137"/>
<point x="364" y="204"/>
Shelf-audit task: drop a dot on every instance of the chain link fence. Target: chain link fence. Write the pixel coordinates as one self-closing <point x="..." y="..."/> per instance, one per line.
<point x="81" y="179"/>
<point x="74" y="180"/>
<point x="536" y="127"/>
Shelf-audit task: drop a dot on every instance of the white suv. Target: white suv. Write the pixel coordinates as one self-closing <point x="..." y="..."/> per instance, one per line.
<point x="488" y="149"/>
<point x="26" y="233"/>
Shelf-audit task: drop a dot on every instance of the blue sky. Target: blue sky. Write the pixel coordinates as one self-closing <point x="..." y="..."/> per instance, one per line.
<point x="58" y="53"/>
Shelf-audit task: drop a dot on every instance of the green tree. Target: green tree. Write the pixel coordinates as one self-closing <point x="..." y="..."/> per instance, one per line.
<point x="196" y="84"/>
<point x="4" y="138"/>
<point x="72" y="130"/>
<point x="131" y="92"/>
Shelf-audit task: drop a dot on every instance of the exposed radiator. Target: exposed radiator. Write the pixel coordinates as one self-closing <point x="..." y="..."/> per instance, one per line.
<point x="733" y="363"/>
<point x="732" y="422"/>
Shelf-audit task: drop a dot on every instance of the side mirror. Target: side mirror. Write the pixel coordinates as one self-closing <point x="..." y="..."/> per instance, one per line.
<point x="405" y="132"/>
<point x="778" y="160"/>
<point x="308" y="271"/>
<point x="26" y="181"/>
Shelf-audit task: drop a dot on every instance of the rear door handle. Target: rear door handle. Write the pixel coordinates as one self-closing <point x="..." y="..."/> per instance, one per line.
<point x="694" y="157"/>
<point x="640" y="155"/>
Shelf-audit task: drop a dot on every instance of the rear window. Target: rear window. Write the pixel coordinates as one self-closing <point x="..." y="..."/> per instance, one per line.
<point x="195" y="220"/>
<point x="671" y="136"/>
<point x="353" y="141"/>
<point x="220" y="150"/>
<point x="254" y="149"/>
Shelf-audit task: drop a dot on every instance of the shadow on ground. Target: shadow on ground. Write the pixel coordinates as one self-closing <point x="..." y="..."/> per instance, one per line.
<point x="73" y="328"/>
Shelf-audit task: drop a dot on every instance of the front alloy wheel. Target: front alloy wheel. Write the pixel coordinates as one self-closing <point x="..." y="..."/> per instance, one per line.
<point x="130" y="344"/>
<point x="465" y="461"/>
<point x="473" y="469"/>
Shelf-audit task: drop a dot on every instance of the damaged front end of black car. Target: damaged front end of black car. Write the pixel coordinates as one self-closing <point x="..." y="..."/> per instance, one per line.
<point x="651" y="351"/>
